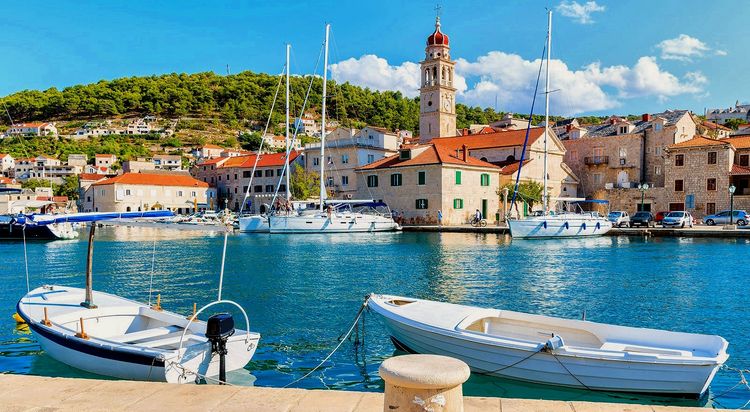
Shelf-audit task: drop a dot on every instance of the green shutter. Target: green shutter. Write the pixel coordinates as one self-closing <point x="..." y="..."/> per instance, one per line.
<point x="458" y="203"/>
<point x="458" y="177"/>
<point x="421" y="178"/>
<point x="484" y="179"/>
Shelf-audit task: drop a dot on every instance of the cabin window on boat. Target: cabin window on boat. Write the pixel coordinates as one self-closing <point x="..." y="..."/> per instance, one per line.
<point x="458" y="203"/>
<point x="679" y="160"/>
<point x="421" y="203"/>
<point x="484" y="179"/>
<point x="372" y="181"/>
<point x="421" y="177"/>
<point x="679" y="185"/>
<point x="458" y="177"/>
<point x="396" y="179"/>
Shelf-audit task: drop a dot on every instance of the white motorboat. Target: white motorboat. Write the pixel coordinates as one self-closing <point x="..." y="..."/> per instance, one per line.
<point x="555" y="351"/>
<point x="253" y="224"/>
<point x="113" y="336"/>
<point x="127" y="339"/>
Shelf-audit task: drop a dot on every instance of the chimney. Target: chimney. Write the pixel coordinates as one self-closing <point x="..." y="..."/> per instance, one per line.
<point x="466" y="132"/>
<point x="465" y="153"/>
<point x="646" y="117"/>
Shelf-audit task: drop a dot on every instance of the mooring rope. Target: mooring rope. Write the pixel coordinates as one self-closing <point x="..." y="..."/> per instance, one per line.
<point x="341" y="340"/>
<point x="742" y="381"/>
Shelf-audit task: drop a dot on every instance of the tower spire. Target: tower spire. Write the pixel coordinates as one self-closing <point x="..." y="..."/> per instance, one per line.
<point x="438" y="7"/>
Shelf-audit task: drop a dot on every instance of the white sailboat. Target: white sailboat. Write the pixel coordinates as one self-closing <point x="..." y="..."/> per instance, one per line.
<point x="109" y="335"/>
<point x="567" y="223"/>
<point x="259" y="223"/>
<point x="555" y="351"/>
<point x="333" y="216"/>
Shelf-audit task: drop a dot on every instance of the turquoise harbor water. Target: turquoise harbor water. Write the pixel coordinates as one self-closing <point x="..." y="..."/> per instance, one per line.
<point x="302" y="292"/>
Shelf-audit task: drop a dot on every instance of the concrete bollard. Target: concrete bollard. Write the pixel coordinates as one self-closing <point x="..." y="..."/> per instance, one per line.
<point x="418" y="383"/>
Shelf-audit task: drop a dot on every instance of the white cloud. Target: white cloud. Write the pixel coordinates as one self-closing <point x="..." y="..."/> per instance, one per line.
<point x="682" y="47"/>
<point x="720" y="52"/>
<point x="579" y="12"/>
<point x="510" y="79"/>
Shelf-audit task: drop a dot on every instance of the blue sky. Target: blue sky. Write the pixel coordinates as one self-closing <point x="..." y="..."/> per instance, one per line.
<point x="608" y="56"/>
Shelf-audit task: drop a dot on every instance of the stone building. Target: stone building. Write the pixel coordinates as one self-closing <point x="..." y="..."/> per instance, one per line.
<point x="347" y="150"/>
<point x="149" y="191"/>
<point x="231" y="177"/>
<point x="421" y="180"/>
<point x="621" y="153"/>
<point x="7" y="165"/>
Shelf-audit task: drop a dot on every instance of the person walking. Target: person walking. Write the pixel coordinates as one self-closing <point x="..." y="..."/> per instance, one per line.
<point x="440" y="217"/>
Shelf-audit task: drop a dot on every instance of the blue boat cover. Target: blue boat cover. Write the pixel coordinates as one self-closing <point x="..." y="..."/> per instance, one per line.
<point x="38" y="219"/>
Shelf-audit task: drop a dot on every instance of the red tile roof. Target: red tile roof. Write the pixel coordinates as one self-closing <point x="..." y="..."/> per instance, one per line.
<point x="740" y="142"/>
<point x="699" y="141"/>
<point x="266" y="160"/>
<point x="153" y="179"/>
<point x="6" y="180"/>
<point x="506" y="138"/>
<point x="211" y="146"/>
<point x="56" y="199"/>
<point x="740" y="170"/>
<point x="104" y="155"/>
<point x="513" y="167"/>
<point x="91" y="176"/>
<point x="32" y="124"/>
<point x="212" y="161"/>
<point x="431" y="154"/>
<point x="712" y="125"/>
<point x="2" y="155"/>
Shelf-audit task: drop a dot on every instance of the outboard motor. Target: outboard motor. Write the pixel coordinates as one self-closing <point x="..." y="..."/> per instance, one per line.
<point x="218" y="330"/>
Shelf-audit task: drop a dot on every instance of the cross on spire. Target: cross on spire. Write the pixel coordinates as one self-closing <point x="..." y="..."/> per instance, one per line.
<point x="437" y="9"/>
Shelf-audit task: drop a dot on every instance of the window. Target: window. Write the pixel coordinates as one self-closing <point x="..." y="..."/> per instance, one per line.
<point x="421" y="203"/>
<point x="235" y="190"/>
<point x="657" y="126"/>
<point x="710" y="208"/>
<point x="102" y="192"/>
<point x="573" y="155"/>
<point x="404" y="154"/>
<point x="258" y="188"/>
<point x="598" y="152"/>
<point x="258" y="173"/>
<point x="679" y="160"/>
<point x="344" y="180"/>
<point x="370" y="158"/>
<point x="269" y="173"/>
<point x="745" y="160"/>
<point x="623" y="129"/>
<point x="623" y="152"/>
<point x="282" y="188"/>
<point x="712" y="158"/>
<point x="421" y="177"/>
<point x="316" y="161"/>
<point x="396" y="179"/>
<point x="678" y="185"/>
<point x="711" y="184"/>
<point x="458" y="177"/>
<point x="344" y="158"/>
<point x="329" y="181"/>
<point x="372" y="181"/>
<point x="247" y="173"/>
<point x="193" y="194"/>
<point x="244" y="190"/>
<point x="484" y="179"/>
<point x="227" y="177"/>
<point x="458" y="203"/>
<point x="657" y="170"/>
<point x="127" y="192"/>
<point x="269" y="188"/>
<point x="235" y="176"/>
<point x="597" y="178"/>
<point x="278" y="172"/>
<point x="179" y="193"/>
<point x="657" y="150"/>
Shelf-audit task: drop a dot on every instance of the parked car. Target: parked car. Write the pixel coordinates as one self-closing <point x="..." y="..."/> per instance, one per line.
<point x="739" y="217"/>
<point x="659" y="216"/>
<point x="678" y="219"/>
<point x="642" y="219"/>
<point x="619" y="218"/>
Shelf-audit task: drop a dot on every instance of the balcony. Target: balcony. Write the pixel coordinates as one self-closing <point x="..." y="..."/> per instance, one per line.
<point x="596" y="160"/>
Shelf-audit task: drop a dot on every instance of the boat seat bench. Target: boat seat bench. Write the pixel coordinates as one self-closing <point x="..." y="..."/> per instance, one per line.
<point x="145" y="334"/>
<point x="171" y="340"/>
<point x="627" y="347"/>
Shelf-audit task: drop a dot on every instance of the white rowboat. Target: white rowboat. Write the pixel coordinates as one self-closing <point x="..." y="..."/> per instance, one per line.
<point x="126" y="339"/>
<point x="555" y="351"/>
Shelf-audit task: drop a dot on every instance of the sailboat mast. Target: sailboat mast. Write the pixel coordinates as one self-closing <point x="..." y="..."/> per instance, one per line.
<point x="545" y="199"/>
<point x="288" y="143"/>
<point x="323" y="124"/>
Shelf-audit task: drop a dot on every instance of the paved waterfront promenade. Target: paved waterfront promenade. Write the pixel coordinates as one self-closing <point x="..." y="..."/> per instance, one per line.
<point x="27" y="393"/>
<point x="697" y="231"/>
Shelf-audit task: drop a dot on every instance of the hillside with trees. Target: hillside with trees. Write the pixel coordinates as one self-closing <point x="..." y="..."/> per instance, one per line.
<point x="240" y="100"/>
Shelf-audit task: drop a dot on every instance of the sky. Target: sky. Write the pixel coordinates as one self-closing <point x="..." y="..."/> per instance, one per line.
<point x="608" y="57"/>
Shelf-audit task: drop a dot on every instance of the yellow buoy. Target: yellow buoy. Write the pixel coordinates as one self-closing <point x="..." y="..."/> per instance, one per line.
<point x="18" y="318"/>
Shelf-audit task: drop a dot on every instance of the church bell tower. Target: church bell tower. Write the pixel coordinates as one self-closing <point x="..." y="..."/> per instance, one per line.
<point x="437" y="110"/>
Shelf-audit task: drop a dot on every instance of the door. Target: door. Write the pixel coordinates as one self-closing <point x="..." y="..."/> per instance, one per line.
<point x="622" y="179"/>
<point x="484" y="208"/>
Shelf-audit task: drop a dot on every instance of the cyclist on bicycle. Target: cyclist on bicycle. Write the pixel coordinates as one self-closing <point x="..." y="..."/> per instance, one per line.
<point x="478" y="216"/>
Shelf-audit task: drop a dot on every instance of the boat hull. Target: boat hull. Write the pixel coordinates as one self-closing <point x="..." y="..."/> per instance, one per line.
<point x="106" y="357"/>
<point x="45" y="232"/>
<point x="254" y="224"/>
<point x="337" y="223"/>
<point x="558" y="227"/>
<point x="532" y="365"/>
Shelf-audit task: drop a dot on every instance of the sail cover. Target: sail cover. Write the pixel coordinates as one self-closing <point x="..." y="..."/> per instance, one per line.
<point x="36" y="219"/>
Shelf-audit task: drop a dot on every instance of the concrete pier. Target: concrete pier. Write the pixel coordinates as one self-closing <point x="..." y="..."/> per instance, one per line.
<point x="34" y="393"/>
